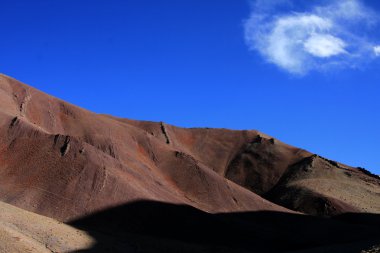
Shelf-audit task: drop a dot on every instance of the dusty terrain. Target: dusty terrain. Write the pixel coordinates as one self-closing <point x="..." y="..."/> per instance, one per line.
<point x="23" y="231"/>
<point x="148" y="226"/>
<point x="69" y="164"/>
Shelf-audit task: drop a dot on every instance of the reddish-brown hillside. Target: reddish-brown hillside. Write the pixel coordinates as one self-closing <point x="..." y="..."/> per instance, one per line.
<point x="65" y="162"/>
<point x="62" y="161"/>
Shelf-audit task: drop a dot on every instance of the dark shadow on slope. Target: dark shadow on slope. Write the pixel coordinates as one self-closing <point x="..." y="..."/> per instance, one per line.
<point x="148" y="226"/>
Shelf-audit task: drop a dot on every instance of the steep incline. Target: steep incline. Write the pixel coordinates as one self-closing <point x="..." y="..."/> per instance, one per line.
<point x="283" y="174"/>
<point x="65" y="162"/>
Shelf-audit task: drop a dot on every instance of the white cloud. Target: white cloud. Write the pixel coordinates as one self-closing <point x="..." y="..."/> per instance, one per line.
<point x="313" y="39"/>
<point x="376" y="50"/>
<point x="324" y="45"/>
<point x="345" y="9"/>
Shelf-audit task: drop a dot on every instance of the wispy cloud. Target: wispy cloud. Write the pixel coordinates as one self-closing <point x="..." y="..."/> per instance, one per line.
<point x="376" y="50"/>
<point x="300" y="39"/>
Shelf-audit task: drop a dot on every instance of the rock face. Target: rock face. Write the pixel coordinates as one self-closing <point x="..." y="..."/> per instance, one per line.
<point x="65" y="162"/>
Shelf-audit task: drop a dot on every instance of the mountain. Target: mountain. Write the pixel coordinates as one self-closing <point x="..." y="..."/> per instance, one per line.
<point x="78" y="167"/>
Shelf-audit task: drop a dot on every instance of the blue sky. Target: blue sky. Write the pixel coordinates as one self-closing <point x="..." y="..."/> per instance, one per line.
<point x="305" y="72"/>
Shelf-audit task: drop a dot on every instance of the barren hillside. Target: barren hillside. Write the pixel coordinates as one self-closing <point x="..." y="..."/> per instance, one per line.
<point x="67" y="163"/>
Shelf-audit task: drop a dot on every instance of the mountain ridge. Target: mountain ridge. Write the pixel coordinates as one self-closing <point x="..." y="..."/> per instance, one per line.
<point x="140" y="186"/>
<point x="183" y="165"/>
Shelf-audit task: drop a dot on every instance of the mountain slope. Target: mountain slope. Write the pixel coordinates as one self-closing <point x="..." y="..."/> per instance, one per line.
<point x="23" y="231"/>
<point x="65" y="162"/>
<point x="323" y="187"/>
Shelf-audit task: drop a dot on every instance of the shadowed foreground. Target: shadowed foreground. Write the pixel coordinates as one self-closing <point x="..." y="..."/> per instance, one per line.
<point x="148" y="226"/>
